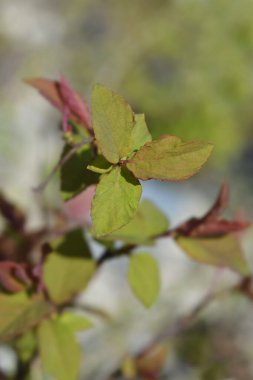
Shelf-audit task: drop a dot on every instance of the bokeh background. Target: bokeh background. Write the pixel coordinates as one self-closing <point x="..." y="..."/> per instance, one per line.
<point x="188" y="64"/>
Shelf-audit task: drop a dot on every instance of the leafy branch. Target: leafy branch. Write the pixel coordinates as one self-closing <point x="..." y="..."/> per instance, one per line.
<point x="109" y="147"/>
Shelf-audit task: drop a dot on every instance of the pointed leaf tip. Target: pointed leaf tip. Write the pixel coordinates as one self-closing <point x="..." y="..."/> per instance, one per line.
<point x="49" y="89"/>
<point x="169" y="159"/>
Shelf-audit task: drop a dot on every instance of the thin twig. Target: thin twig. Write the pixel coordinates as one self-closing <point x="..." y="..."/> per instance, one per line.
<point x="126" y="249"/>
<point x="96" y="311"/>
<point x="185" y="322"/>
<point x="62" y="161"/>
<point x="112" y="254"/>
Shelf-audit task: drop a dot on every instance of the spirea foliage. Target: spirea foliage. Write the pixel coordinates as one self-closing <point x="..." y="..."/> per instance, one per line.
<point x="107" y="147"/>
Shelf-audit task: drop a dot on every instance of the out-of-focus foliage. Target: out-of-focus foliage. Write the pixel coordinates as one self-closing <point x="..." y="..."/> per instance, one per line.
<point x="188" y="64"/>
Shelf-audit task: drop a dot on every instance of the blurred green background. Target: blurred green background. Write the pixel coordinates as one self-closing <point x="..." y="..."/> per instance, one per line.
<point x="187" y="64"/>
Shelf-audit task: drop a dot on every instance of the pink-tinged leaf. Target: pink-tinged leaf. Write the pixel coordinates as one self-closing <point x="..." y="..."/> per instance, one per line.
<point x="219" y="227"/>
<point x="209" y="225"/>
<point x="74" y="102"/>
<point x="78" y="208"/>
<point x="13" y="276"/>
<point x="49" y="89"/>
<point x="65" y="119"/>
<point x="219" y="205"/>
<point x="65" y="99"/>
<point x="200" y="228"/>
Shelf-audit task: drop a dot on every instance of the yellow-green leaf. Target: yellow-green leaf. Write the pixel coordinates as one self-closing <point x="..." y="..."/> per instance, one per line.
<point x="115" y="202"/>
<point x="75" y="322"/>
<point x="148" y="222"/>
<point x="144" y="278"/>
<point x="69" y="268"/>
<point x="18" y="313"/>
<point x="221" y="252"/>
<point x="60" y="353"/>
<point x="113" y="122"/>
<point x="140" y="133"/>
<point x="168" y="158"/>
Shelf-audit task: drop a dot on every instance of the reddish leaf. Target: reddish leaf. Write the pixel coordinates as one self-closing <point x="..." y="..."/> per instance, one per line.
<point x="209" y="225"/>
<point x="65" y="99"/>
<point x="219" y="205"/>
<point x="13" y="276"/>
<point x="49" y="89"/>
<point x="218" y="228"/>
<point x="74" y="102"/>
<point x="149" y="375"/>
<point x="65" y="119"/>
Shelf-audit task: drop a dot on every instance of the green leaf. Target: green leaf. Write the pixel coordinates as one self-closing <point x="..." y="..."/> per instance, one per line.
<point x="113" y="122"/>
<point x="115" y="202"/>
<point x="148" y="222"/>
<point x="144" y="278"/>
<point x="222" y="251"/>
<point x="75" y="177"/>
<point x="75" y="322"/>
<point x="140" y="133"/>
<point x="69" y="268"/>
<point x="169" y="159"/>
<point x="100" y="165"/>
<point x="26" y="346"/>
<point x="60" y="353"/>
<point x="19" y="313"/>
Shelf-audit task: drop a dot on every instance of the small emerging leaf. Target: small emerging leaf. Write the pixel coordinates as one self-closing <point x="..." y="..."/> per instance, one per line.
<point x="60" y="353"/>
<point x="100" y="165"/>
<point x="221" y="252"/>
<point x="75" y="103"/>
<point x="210" y="225"/>
<point x="140" y="133"/>
<point x="64" y="98"/>
<point x="144" y="278"/>
<point x="49" y="89"/>
<point x="220" y="204"/>
<point x="115" y="202"/>
<point x="69" y="268"/>
<point x="148" y="222"/>
<point x="113" y="122"/>
<point x="169" y="159"/>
